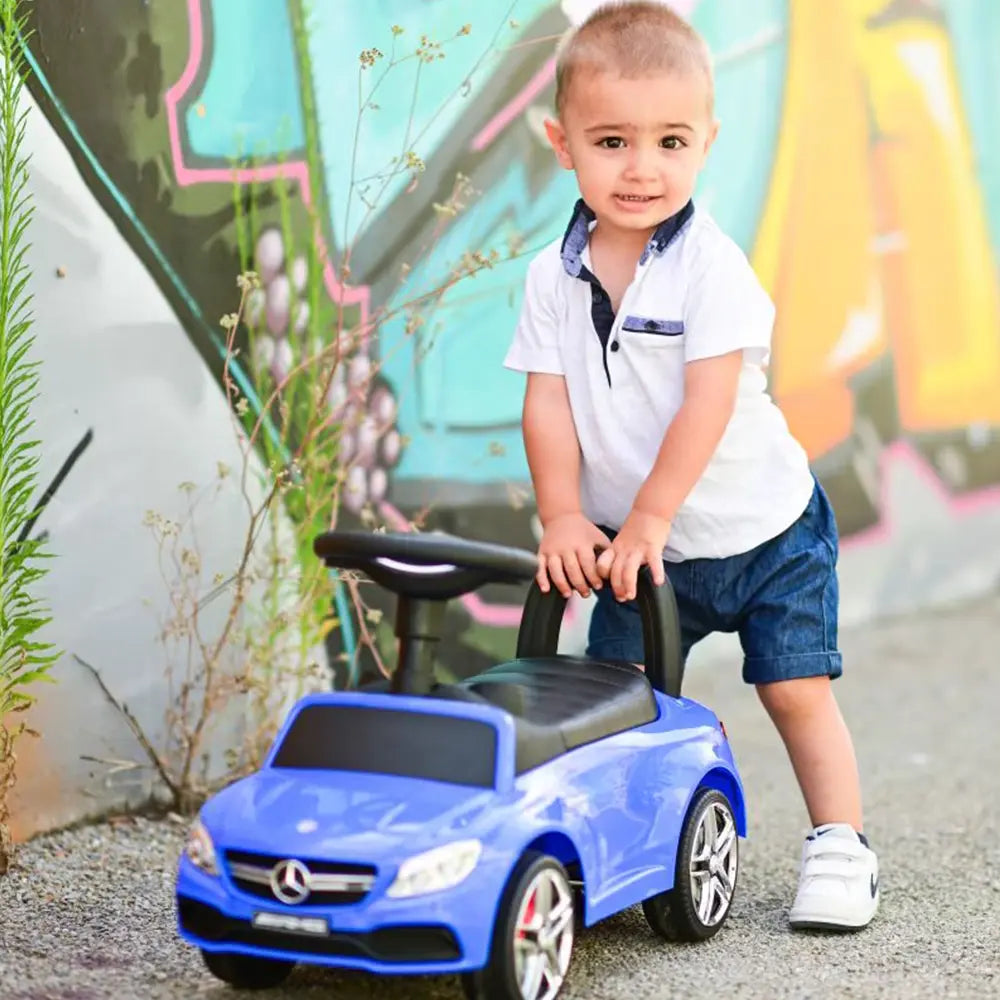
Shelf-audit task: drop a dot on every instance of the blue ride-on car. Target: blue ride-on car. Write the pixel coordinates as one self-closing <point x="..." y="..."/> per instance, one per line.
<point x="469" y="827"/>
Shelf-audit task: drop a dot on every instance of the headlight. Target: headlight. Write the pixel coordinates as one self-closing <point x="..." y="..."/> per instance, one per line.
<point x="440" y="868"/>
<point x="200" y="849"/>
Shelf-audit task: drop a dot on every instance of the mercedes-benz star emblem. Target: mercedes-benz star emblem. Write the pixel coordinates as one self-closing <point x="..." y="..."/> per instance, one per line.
<point x="290" y="881"/>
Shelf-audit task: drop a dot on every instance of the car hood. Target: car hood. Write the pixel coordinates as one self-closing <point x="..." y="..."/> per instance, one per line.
<point x="346" y="815"/>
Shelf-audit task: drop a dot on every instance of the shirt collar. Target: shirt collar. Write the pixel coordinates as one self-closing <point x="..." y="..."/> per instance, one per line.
<point x="578" y="234"/>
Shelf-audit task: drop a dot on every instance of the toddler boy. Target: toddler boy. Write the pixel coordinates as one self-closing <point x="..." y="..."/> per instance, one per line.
<point x="649" y="432"/>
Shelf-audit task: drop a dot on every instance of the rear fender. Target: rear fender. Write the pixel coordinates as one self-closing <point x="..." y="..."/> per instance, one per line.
<point x="722" y="780"/>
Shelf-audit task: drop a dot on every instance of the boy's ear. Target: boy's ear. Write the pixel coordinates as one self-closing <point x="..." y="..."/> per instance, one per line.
<point x="557" y="140"/>
<point x="713" y="131"/>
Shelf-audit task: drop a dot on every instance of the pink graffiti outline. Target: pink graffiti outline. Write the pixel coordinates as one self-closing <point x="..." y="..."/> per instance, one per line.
<point x="296" y="170"/>
<point x="517" y="105"/>
<point x="501" y="615"/>
<point x="902" y="452"/>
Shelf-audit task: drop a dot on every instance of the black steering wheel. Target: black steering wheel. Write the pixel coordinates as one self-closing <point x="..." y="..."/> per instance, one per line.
<point x="425" y="570"/>
<point x="433" y="566"/>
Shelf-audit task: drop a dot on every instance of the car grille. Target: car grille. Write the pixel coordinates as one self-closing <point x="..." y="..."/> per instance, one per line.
<point x="330" y="883"/>
<point x="393" y="944"/>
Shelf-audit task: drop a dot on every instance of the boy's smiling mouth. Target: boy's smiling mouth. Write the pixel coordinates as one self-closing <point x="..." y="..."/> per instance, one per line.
<point x="635" y="201"/>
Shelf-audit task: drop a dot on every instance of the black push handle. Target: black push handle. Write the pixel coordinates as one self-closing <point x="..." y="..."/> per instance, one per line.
<point x="661" y="630"/>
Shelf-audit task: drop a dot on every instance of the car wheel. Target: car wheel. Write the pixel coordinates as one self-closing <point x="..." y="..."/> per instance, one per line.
<point x="247" y="972"/>
<point x="708" y="860"/>
<point x="533" y="937"/>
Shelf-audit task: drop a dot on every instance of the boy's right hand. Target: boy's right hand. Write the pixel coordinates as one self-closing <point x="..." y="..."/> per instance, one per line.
<point x="567" y="555"/>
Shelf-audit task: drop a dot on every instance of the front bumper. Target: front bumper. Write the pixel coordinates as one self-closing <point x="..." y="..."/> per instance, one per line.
<point x="443" y="932"/>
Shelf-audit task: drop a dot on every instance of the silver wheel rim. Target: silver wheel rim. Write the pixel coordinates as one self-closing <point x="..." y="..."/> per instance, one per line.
<point x="714" y="858"/>
<point x="543" y="936"/>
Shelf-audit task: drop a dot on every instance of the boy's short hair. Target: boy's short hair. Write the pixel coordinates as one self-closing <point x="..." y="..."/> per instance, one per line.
<point x="634" y="38"/>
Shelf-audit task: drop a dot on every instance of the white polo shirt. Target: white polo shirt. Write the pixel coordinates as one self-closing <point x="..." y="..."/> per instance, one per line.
<point x="694" y="295"/>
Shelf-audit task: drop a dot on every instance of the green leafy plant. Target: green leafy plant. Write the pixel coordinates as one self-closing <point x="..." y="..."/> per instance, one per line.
<point x="24" y="658"/>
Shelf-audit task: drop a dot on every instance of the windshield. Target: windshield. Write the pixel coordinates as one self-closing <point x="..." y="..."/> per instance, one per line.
<point x="390" y="741"/>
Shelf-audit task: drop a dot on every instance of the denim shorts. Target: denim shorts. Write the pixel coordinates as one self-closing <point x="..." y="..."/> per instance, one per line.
<point x="781" y="597"/>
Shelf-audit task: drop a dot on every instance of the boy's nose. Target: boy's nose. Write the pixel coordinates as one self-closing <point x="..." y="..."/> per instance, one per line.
<point x="640" y="164"/>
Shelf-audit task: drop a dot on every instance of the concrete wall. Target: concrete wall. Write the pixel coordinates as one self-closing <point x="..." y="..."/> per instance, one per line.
<point x="857" y="165"/>
<point x="129" y="411"/>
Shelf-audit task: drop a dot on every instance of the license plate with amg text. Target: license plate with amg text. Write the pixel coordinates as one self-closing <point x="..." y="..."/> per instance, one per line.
<point x="289" y="923"/>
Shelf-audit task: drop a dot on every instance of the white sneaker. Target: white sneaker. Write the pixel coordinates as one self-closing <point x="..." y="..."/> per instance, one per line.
<point x="838" y="885"/>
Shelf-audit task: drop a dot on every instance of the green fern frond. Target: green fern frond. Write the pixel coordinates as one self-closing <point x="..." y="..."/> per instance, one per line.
<point x="25" y="658"/>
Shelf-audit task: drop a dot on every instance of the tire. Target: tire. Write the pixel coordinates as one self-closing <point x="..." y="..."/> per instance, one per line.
<point x="247" y="972"/>
<point x="518" y="967"/>
<point x="684" y="913"/>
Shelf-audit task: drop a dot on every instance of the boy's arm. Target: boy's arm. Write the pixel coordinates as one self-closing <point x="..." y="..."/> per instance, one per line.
<point x="566" y="553"/>
<point x="551" y="446"/>
<point x="710" y="387"/>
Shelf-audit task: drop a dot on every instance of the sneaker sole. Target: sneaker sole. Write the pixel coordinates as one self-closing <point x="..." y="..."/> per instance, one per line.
<point x="807" y="923"/>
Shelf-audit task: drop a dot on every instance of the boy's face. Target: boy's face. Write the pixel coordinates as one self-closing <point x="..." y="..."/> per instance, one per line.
<point x="636" y="146"/>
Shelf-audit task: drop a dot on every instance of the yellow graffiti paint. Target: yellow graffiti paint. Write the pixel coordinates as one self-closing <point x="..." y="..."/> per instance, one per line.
<point x="814" y="249"/>
<point x="874" y="240"/>
<point x="942" y="296"/>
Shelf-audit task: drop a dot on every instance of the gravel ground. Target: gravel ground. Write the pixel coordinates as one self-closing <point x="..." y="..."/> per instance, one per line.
<point x="88" y="913"/>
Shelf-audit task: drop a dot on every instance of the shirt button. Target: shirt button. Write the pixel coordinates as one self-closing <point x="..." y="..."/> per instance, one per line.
<point x="615" y="345"/>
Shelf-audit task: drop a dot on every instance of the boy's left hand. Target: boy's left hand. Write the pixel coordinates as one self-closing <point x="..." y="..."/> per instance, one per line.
<point x="641" y="540"/>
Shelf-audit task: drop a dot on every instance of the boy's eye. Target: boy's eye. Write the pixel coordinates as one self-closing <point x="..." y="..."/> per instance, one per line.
<point x="611" y="142"/>
<point x="672" y="142"/>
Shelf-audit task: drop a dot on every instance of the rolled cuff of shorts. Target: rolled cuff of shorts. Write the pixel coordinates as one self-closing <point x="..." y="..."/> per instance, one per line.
<point x="767" y="669"/>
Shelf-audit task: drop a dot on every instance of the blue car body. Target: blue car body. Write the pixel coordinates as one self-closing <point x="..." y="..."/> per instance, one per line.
<point x="610" y="810"/>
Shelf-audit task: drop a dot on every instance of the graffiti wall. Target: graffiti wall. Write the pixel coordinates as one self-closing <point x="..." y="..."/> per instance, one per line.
<point x="858" y="164"/>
